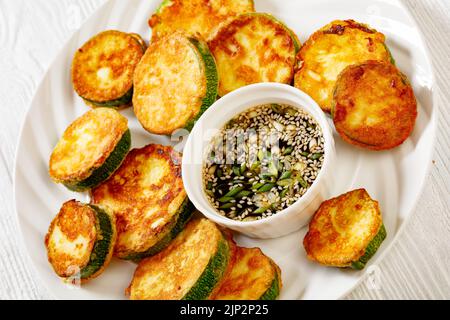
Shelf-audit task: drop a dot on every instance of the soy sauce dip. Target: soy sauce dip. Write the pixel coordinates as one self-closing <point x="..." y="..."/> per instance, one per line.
<point x="263" y="161"/>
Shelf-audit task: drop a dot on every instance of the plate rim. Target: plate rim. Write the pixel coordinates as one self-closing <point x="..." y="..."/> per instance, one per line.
<point x="433" y="121"/>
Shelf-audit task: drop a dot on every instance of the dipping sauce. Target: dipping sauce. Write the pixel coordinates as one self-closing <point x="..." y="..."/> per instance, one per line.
<point x="262" y="161"/>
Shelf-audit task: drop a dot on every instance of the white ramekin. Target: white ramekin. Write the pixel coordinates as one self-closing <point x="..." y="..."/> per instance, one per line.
<point x="284" y="222"/>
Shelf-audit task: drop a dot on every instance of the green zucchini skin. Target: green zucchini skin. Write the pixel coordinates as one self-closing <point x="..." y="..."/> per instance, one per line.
<point x="274" y="291"/>
<point x="143" y="47"/>
<point x="212" y="274"/>
<point x="122" y="101"/>
<point x="111" y="164"/>
<point x="390" y="55"/>
<point x="371" y="249"/>
<point x="186" y="211"/>
<point x="212" y="79"/>
<point x="103" y="245"/>
<point x="163" y="4"/>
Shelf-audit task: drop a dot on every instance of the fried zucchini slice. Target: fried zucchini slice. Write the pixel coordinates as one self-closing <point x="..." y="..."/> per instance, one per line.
<point x="252" y="48"/>
<point x="345" y="231"/>
<point x="90" y="150"/>
<point x="195" y="17"/>
<point x="148" y="198"/>
<point x="253" y="276"/>
<point x="103" y="68"/>
<point x="189" y="268"/>
<point x="80" y="241"/>
<point x="374" y="106"/>
<point x="329" y="51"/>
<point x="175" y="82"/>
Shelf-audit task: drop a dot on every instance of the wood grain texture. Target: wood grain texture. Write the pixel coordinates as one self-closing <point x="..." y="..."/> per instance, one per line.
<point x="33" y="31"/>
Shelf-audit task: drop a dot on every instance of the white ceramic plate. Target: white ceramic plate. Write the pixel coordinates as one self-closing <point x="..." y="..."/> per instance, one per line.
<point x="395" y="178"/>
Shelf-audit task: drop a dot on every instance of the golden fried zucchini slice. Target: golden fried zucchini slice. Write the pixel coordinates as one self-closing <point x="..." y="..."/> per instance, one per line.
<point x="253" y="276"/>
<point x="195" y="17"/>
<point x="103" y="68"/>
<point x="345" y="231"/>
<point x="374" y="106"/>
<point x="148" y="198"/>
<point x="189" y="268"/>
<point x="175" y="82"/>
<point x="252" y="48"/>
<point x="90" y="150"/>
<point x="80" y="241"/>
<point x="329" y="51"/>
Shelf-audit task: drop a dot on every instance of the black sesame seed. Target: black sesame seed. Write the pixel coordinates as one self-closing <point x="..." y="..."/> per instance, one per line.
<point x="280" y="138"/>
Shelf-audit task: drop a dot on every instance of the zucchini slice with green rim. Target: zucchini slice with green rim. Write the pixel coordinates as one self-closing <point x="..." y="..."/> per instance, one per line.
<point x="185" y="213"/>
<point x="329" y="51"/>
<point x="232" y="248"/>
<point x="175" y="82"/>
<point x="253" y="48"/>
<point x="345" y="231"/>
<point x="147" y="196"/>
<point x="253" y="276"/>
<point x="195" y="17"/>
<point x="103" y="68"/>
<point x="80" y="241"/>
<point x="374" y="106"/>
<point x="189" y="268"/>
<point x="90" y="150"/>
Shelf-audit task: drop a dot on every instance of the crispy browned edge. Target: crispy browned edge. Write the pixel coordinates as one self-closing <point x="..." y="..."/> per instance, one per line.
<point x="73" y="204"/>
<point x="79" y="176"/>
<point x="86" y="91"/>
<point x="405" y="93"/>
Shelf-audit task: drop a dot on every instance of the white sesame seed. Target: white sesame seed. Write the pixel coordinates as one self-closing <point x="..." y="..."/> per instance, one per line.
<point x="275" y="130"/>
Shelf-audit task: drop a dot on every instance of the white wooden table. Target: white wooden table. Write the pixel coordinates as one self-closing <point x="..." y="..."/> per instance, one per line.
<point x="31" y="33"/>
